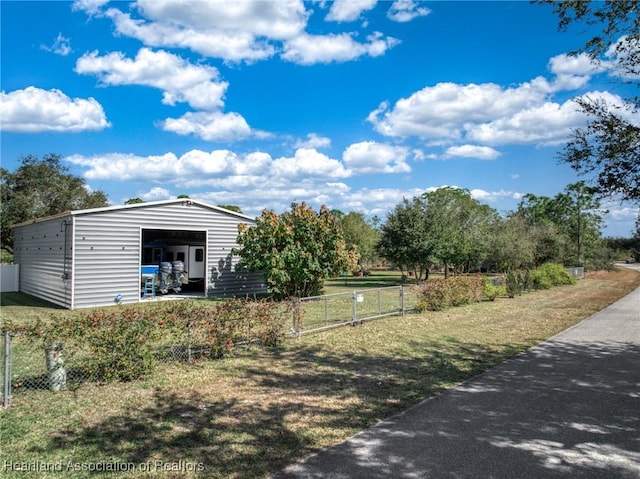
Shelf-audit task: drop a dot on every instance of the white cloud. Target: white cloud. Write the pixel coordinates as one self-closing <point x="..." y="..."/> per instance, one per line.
<point x="256" y="181"/>
<point x="349" y="10"/>
<point x="473" y="151"/>
<point x="472" y="118"/>
<point x="256" y="163"/>
<point x="127" y="167"/>
<point x="622" y="56"/>
<point x="332" y="194"/>
<point x="179" y="80"/>
<point x="372" y="157"/>
<point x="490" y="114"/>
<point x="247" y="31"/>
<point x="580" y="64"/>
<point x="194" y="168"/>
<point x="282" y="19"/>
<point x="308" y="162"/>
<point x="35" y="110"/>
<point x="156" y="194"/>
<point x="546" y="124"/>
<point x="572" y="71"/>
<point x="210" y="126"/>
<point x="615" y="104"/>
<point x="277" y="197"/>
<point x="493" y="196"/>
<point x="60" y="46"/>
<point x="214" y="167"/>
<point x="308" y="49"/>
<point x="314" y="141"/>
<point x="618" y="212"/>
<point x="444" y="110"/>
<point x="406" y="10"/>
<point x="234" y="31"/>
<point x="204" y="163"/>
<point x="91" y="7"/>
<point x="376" y="201"/>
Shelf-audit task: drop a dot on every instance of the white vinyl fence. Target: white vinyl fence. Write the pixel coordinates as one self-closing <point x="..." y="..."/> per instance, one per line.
<point x="9" y="278"/>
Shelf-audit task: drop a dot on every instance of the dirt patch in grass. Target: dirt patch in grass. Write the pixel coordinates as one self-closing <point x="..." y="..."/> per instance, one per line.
<point x="247" y="416"/>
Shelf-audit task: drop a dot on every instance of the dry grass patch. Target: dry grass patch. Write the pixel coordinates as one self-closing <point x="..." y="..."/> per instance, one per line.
<point x="252" y="414"/>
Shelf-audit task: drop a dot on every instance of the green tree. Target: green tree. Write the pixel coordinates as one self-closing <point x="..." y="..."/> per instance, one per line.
<point x="575" y="215"/>
<point x="235" y="208"/>
<point x="458" y="225"/>
<point x="337" y="214"/>
<point x="625" y="248"/>
<point x="512" y="245"/>
<point x="134" y="201"/>
<point x="296" y="250"/>
<point x="405" y="240"/>
<point x="362" y="235"/>
<point x="607" y="150"/>
<point x="550" y="244"/>
<point x="39" y="188"/>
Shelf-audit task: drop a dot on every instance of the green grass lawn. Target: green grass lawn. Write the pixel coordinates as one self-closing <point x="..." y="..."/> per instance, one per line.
<point x="376" y="279"/>
<point x="249" y="415"/>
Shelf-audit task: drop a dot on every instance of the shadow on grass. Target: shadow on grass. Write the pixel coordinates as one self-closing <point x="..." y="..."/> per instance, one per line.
<point x="560" y="410"/>
<point x="28" y="301"/>
<point x="251" y="436"/>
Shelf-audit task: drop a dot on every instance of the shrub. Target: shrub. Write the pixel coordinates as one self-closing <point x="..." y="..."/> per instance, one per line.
<point x="122" y="343"/>
<point x="118" y="342"/>
<point x="514" y="283"/>
<point x="491" y="291"/>
<point x="268" y="319"/>
<point x="433" y="295"/>
<point x="439" y="294"/>
<point x="549" y="275"/>
<point x="219" y="328"/>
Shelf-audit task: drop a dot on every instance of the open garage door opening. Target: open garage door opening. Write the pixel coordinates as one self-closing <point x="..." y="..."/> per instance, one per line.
<point x="173" y="262"/>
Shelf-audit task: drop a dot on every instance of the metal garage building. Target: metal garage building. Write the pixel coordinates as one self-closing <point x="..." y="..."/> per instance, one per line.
<point x="96" y="257"/>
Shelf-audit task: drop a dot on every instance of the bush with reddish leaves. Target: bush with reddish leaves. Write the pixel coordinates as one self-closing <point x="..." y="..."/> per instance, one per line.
<point x="124" y="343"/>
<point x="439" y="294"/>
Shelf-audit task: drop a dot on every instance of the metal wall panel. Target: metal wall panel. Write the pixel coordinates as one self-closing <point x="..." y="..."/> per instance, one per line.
<point x="104" y="251"/>
<point x="39" y="250"/>
<point x="108" y="250"/>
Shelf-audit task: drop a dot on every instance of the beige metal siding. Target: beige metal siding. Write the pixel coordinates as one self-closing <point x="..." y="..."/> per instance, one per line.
<point x="39" y="250"/>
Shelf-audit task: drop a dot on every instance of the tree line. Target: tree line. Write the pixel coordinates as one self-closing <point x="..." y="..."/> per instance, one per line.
<point x="448" y="229"/>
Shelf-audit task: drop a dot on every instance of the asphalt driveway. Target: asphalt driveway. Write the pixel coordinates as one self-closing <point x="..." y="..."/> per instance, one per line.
<point x="567" y="408"/>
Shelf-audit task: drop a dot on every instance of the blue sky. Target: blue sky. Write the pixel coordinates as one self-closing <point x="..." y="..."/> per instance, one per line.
<point x="352" y="104"/>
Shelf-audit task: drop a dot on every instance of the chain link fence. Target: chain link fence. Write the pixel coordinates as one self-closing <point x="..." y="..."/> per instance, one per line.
<point x="319" y="313"/>
<point x="29" y="366"/>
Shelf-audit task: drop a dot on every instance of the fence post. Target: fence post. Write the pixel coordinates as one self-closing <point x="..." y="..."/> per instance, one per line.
<point x="326" y="311"/>
<point x="402" y="299"/>
<point x="55" y="367"/>
<point x="354" y="307"/>
<point x="189" y="342"/>
<point x="6" y="391"/>
<point x="296" y="317"/>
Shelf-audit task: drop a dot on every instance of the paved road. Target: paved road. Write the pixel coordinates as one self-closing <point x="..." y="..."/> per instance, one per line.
<point x="568" y="408"/>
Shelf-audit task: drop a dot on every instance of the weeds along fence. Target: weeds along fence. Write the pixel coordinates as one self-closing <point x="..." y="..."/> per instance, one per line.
<point x="319" y="313"/>
<point x="30" y="367"/>
<point x="128" y="343"/>
<point x="124" y="344"/>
